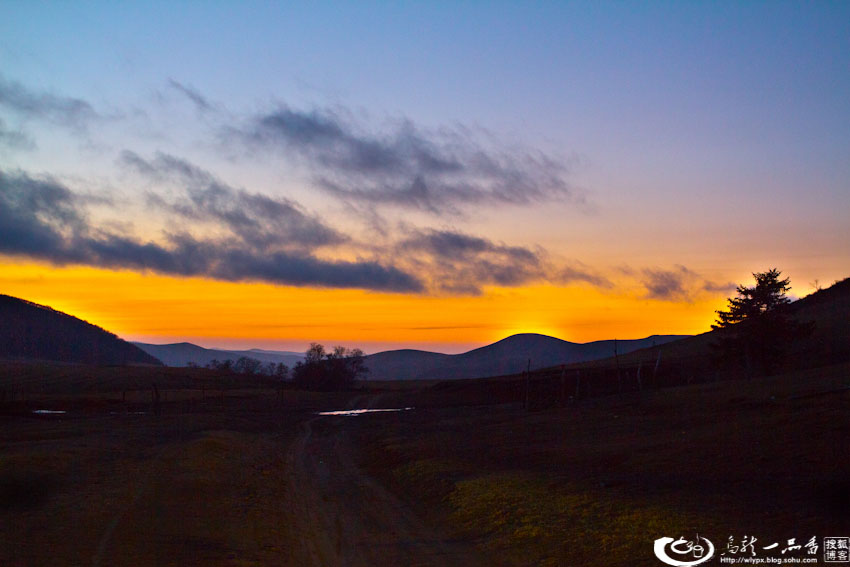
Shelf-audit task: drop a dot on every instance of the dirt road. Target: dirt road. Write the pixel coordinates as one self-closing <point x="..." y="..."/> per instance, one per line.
<point x="346" y="518"/>
<point x="216" y="488"/>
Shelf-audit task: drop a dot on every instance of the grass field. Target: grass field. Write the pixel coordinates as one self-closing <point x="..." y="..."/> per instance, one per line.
<point x="211" y="480"/>
<point x="606" y="477"/>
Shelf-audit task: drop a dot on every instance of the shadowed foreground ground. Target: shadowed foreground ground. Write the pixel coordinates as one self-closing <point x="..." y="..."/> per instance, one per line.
<point x="256" y="478"/>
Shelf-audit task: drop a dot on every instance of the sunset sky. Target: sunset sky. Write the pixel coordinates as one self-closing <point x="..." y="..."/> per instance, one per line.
<point x="429" y="175"/>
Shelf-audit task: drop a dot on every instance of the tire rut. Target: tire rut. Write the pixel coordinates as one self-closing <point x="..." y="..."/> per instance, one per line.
<point x="347" y="518"/>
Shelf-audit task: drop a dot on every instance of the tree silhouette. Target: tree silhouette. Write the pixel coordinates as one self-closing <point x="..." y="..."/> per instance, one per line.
<point x="315" y="353"/>
<point x="247" y="366"/>
<point x="335" y="370"/>
<point x="281" y="371"/>
<point x="756" y="331"/>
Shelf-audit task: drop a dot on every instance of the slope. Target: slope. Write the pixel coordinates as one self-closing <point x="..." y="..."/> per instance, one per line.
<point x="32" y="331"/>
<point x="508" y="356"/>
<point x="184" y="354"/>
<point x="829" y="343"/>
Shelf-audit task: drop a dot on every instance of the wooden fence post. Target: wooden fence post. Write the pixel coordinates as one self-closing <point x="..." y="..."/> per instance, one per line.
<point x="156" y="407"/>
<point x="655" y="370"/>
<point x="617" y="360"/>
<point x="578" y="383"/>
<point x="563" y="386"/>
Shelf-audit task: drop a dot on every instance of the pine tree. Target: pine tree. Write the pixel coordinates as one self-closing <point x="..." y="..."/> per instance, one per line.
<point x="756" y="331"/>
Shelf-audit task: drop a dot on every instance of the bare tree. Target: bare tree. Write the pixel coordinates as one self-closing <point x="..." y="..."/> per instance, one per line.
<point x="336" y="370"/>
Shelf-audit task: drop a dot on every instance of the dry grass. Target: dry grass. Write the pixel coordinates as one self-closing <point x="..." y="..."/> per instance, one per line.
<point x="604" y="478"/>
<point x="205" y="483"/>
<point x="143" y="491"/>
<point x="201" y="484"/>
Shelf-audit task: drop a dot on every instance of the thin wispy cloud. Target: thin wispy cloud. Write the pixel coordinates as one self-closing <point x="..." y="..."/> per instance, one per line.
<point x="722" y="288"/>
<point x="198" y="224"/>
<point x="577" y="272"/>
<point x="666" y="284"/>
<point x="41" y="218"/>
<point x="461" y="263"/>
<point x="14" y="139"/>
<point x="257" y="238"/>
<point x="73" y="113"/>
<point x="458" y="263"/>
<point x="269" y="240"/>
<point x="260" y="221"/>
<point x="404" y="166"/>
<point x="678" y="284"/>
<point x="199" y="100"/>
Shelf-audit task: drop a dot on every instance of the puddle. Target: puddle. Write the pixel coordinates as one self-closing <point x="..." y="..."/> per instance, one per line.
<point x="352" y="412"/>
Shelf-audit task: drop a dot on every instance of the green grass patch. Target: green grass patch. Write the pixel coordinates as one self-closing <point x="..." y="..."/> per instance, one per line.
<point x="527" y="521"/>
<point x="432" y="480"/>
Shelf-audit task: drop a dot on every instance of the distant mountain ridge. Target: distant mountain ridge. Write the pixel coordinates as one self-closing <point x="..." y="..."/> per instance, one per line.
<point x="183" y="354"/>
<point x="828" y="309"/>
<point x="508" y="356"/>
<point x="31" y="331"/>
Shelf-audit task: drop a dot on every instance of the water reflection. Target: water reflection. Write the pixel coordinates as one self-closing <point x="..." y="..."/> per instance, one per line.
<point x="359" y="411"/>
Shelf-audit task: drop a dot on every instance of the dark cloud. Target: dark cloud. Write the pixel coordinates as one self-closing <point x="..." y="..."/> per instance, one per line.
<point x="581" y="273"/>
<point x="132" y="160"/>
<point x="461" y="263"/>
<point x="41" y="218"/>
<point x="447" y="327"/>
<point x="200" y="102"/>
<point x="679" y="284"/>
<point x="306" y="270"/>
<point x="229" y="233"/>
<point x="712" y="287"/>
<point x="405" y="166"/>
<point x="666" y="284"/>
<point x="458" y="246"/>
<point x="14" y="139"/>
<point x="260" y="221"/>
<point x="70" y="112"/>
<point x="38" y="217"/>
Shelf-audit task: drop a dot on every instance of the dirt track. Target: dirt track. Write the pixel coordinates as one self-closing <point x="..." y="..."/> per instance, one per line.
<point x="347" y="518"/>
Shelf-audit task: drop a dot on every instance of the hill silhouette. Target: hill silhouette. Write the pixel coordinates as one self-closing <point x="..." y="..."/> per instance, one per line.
<point x="507" y="356"/>
<point x="829" y="310"/>
<point x="690" y="360"/>
<point x="36" y="332"/>
<point x="829" y="343"/>
<point x="184" y="354"/>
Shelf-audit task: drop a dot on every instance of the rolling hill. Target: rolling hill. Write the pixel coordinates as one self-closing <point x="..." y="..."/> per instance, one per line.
<point x="508" y="356"/>
<point x="688" y="361"/>
<point x="829" y="343"/>
<point x="29" y="331"/>
<point x="183" y="354"/>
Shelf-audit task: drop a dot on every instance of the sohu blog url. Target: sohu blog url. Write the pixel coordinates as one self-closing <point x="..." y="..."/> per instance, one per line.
<point x="769" y="560"/>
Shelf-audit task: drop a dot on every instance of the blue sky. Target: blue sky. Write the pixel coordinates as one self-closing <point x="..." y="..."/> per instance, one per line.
<point x="632" y="138"/>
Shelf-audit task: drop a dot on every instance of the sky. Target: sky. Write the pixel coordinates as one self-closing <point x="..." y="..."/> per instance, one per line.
<point x="418" y="175"/>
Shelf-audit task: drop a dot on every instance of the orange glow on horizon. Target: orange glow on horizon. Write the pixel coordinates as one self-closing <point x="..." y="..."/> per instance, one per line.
<point x="155" y="308"/>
